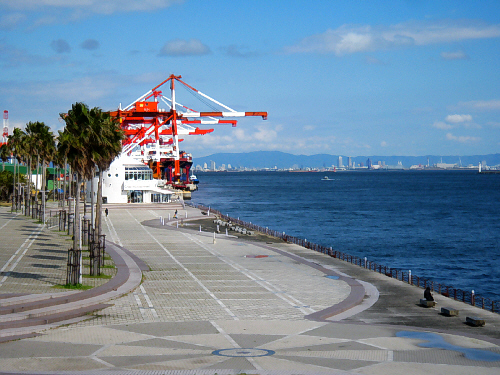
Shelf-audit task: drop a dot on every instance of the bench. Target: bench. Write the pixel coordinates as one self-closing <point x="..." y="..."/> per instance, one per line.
<point x="425" y="303"/>
<point x="449" y="311"/>
<point x="475" y="321"/>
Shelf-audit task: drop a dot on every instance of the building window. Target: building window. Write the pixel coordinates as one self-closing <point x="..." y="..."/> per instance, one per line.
<point x="138" y="173"/>
<point x="134" y="196"/>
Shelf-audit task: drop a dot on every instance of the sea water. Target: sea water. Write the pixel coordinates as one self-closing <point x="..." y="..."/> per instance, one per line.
<point x="441" y="225"/>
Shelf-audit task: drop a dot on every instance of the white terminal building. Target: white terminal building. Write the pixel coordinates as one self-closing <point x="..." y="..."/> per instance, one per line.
<point x="129" y="181"/>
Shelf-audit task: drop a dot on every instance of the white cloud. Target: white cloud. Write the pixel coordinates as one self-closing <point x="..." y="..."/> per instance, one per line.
<point x="489" y="105"/>
<point x="383" y="144"/>
<point x="462" y="139"/>
<point x="47" y="12"/>
<point x="265" y="134"/>
<point x="9" y="21"/>
<point x="455" y="119"/>
<point x="234" y="50"/>
<point x="11" y="56"/>
<point x="239" y="134"/>
<point x="374" y="61"/>
<point x="254" y="139"/>
<point x="458" y="55"/>
<point x="45" y="20"/>
<point x="259" y="138"/>
<point x="179" y="47"/>
<point x="442" y="125"/>
<point x="349" y="39"/>
<point x="86" y="89"/>
<point x="91" y="6"/>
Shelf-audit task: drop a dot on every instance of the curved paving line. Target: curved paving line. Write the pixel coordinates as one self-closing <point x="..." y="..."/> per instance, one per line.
<point x="354" y="298"/>
<point x="122" y="276"/>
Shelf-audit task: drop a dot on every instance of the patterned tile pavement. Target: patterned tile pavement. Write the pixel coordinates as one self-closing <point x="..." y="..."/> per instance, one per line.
<point x="209" y="308"/>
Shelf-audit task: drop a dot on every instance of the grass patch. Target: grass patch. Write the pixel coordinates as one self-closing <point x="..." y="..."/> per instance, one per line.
<point x="71" y="286"/>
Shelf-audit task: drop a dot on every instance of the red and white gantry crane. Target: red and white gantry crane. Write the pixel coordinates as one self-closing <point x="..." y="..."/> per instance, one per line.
<point x="152" y="134"/>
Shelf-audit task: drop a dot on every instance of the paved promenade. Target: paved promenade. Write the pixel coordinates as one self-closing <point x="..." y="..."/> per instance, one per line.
<point x="229" y="306"/>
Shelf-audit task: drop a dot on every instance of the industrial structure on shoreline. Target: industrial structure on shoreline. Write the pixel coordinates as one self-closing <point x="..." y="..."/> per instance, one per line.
<point x="151" y="167"/>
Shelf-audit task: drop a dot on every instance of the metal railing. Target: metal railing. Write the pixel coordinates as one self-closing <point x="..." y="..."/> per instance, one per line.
<point x="405" y="276"/>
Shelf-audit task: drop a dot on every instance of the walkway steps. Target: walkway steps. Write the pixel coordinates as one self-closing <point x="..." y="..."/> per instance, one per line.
<point x="38" y="303"/>
<point x="35" y="310"/>
<point x="11" y="301"/>
<point x="52" y="318"/>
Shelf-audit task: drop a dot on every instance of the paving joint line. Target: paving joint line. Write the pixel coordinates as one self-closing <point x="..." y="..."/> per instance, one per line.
<point x="198" y="281"/>
<point x="263" y="283"/>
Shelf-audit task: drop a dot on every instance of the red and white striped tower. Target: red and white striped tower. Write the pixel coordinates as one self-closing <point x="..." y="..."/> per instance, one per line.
<point x="5" y="125"/>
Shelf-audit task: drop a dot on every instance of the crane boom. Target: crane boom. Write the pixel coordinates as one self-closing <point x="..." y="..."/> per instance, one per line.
<point x="147" y="124"/>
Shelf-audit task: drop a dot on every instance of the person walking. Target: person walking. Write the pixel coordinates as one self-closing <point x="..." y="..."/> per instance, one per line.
<point x="175" y="214"/>
<point x="106" y="211"/>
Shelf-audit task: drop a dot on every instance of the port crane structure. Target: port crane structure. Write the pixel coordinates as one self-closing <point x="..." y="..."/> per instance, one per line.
<point x="5" y="133"/>
<point x="152" y="133"/>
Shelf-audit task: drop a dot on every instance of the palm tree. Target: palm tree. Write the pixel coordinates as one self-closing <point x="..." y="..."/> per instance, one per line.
<point x="31" y="130"/>
<point x="16" y="142"/>
<point x="4" y="154"/>
<point x="41" y="142"/>
<point x="32" y="148"/>
<point x="47" y="151"/>
<point x="59" y="165"/>
<point x="75" y="146"/>
<point x="106" y="144"/>
<point x="63" y="140"/>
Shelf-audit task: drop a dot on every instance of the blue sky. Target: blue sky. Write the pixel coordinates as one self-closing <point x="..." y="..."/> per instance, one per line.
<point x="338" y="77"/>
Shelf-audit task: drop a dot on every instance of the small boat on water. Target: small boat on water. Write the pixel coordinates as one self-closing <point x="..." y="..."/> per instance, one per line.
<point x="326" y="178"/>
<point x="194" y="179"/>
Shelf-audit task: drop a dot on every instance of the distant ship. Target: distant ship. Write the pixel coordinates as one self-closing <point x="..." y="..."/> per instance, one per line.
<point x="194" y="179"/>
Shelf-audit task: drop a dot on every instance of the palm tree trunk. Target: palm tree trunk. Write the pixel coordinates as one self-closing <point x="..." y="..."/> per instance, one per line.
<point x="37" y="176"/>
<point x="44" y="188"/>
<point x="98" y="209"/>
<point x="14" y="203"/>
<point x="92" y="199"/>
<point x="70" y="183"/>
<point x="76" y="220"/>
<point x="84" y="199"/>
<point x="27" y="192"/>
<point x="63" y="185"/>
<point x="19" y="187"/>
<point x="30" y="184"/>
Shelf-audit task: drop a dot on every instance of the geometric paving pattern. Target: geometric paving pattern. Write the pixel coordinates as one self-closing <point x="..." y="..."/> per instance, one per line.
<point x="240" y="346"/>
<point x="227" y="307"/>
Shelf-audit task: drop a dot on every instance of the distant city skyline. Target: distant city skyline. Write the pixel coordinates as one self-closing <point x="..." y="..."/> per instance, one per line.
<point x="374" y="77"/>
<point x="282" y="161"/>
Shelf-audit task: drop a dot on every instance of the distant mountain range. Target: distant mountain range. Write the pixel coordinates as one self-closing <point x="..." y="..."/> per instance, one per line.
<point x="282" y="160"/>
